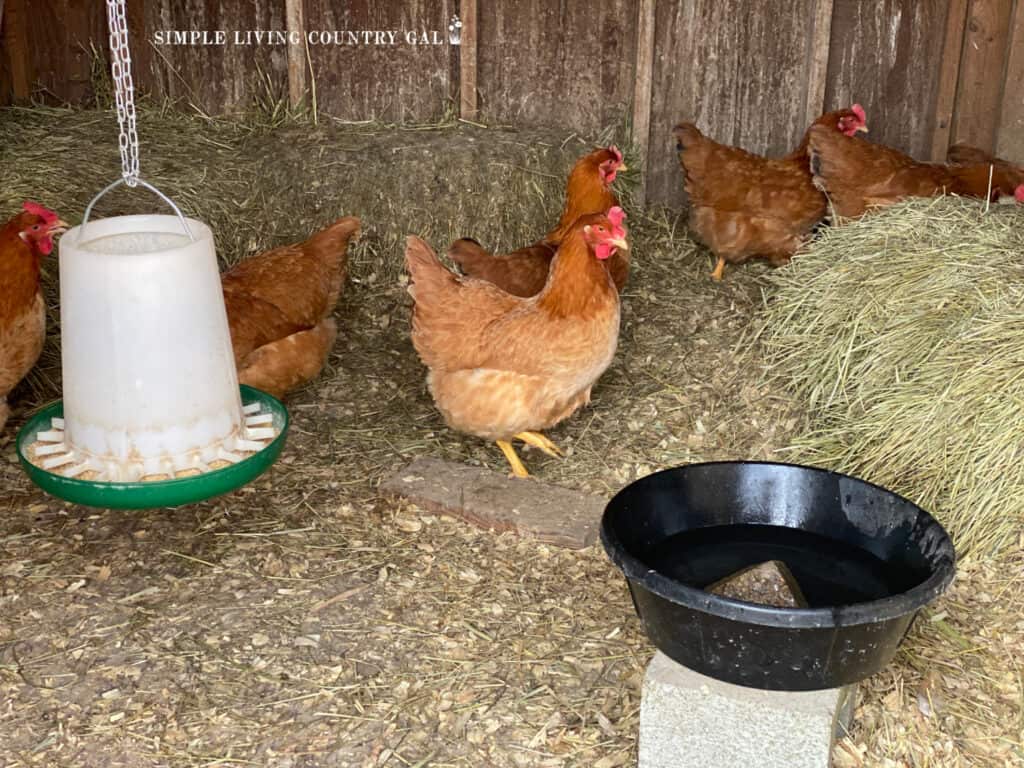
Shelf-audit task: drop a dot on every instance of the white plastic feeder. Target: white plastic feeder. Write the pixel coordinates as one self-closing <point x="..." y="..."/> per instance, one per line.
<point x="152" y="413"/>
<point x="150" y="386"/>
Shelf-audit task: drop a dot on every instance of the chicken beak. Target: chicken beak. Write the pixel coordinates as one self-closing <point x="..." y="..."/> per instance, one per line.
<point x="623" y="167"/>
<point x="862" y="129"/>
<point x="620" y="243"/>
<point x="59" y="227"/>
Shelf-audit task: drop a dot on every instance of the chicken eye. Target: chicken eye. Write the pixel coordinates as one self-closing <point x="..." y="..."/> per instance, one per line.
<point x="35" y="227"/>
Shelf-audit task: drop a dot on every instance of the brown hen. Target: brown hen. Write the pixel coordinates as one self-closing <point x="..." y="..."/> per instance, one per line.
<point x="504" y="366"/>
<point x="744" y="206"/>
<point x="965" y="154"/>
<point x="525" y="271"/>
<point x="24" y="241"/>
<point x="857" y="175"/>
<point x="279" y="306"/>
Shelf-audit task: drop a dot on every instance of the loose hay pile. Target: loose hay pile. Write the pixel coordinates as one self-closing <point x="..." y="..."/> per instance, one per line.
<point x="904" y="334"/>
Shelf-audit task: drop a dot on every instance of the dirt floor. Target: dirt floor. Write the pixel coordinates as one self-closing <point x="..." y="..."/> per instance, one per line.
<point x="304" y="621"/>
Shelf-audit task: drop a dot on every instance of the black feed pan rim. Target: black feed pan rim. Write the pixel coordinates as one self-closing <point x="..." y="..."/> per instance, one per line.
<point x="869" y="612"/>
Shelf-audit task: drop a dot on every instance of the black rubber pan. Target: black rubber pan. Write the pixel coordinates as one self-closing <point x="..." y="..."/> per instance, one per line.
<point x="840" y="523"/>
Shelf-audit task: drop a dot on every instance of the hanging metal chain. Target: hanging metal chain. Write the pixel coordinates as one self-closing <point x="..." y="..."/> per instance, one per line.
<point x="124" y="91"/>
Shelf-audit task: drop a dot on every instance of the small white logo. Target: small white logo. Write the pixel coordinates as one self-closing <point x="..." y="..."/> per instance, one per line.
<point x="455" y="31"/>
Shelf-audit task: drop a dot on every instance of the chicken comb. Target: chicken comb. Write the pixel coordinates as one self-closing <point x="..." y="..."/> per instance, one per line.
<point x="615" y="153"/>
<point x="1018" y="194"/>
<point x="41" y="211"/>
<point x="858" y="110"/>
<point x="616" y="216"/>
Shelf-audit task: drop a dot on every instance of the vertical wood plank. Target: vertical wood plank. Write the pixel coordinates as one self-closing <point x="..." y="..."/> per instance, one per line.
<point x="295" y="22"/>
<point x="642" y="90"/>
<point x="949" y="77"/>
<point x="467" y="61"/>
<point x="982" y="67"/>
<point x="18" y="54"/>
<point x="138" y="39"/>
<point x="817" y="69"/>
<point x="1010" y="141"/>
<point x="5" y="75"/>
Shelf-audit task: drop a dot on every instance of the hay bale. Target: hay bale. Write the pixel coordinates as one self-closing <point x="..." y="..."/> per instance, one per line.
<point x="903" y="333"/>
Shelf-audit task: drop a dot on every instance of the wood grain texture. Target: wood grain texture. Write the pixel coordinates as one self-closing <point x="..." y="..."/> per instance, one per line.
<point x="295" y="20"/>
<point x="492" y="501"/>
<point x="217" y="79"/>
<point x="743" y="84"/>
<point x="58" y="35"/>
<point x="949" y="75"/>
<point x="642" y="94"/>
<point x="1010" y="141"/>
<point x="16" y="59"/>
<point x="567" y="64"/>
<point x="980" y="92"/>
<point x="817" y="70"/>
<point x="884" y="56"/>
<point x="468" y="103"/>
<point x="396" y="83"/>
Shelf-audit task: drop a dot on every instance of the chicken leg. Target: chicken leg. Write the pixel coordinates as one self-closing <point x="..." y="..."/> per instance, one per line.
<point x="513" y="458"/>
<point x="537" y="440"/>
<point x="719" y="269"/>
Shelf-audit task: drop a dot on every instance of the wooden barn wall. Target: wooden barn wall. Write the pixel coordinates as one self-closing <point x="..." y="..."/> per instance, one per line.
<point x="567" y="64"/>
<point x="883" y="55"/>
<point x="1011" y="118"/>
<point x="928" y="72"/>
<point x="407" y="83"/>
<point x="50" y="57"/>
<point x="984" y="84"/>
<point x="214" y="78"/>
<point x="744" y="84"/>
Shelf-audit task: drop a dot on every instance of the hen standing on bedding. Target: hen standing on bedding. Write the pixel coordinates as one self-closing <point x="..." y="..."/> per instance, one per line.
<point x="503" y="366"/>
<point x="743" y="205"/>
<point x="857" y="174"/>
<point x="524" y="272"/>
<point x="279" y="306"/>
<point x="24" y="241"/>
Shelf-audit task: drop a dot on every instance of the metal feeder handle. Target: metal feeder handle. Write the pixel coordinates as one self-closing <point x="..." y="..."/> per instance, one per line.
<point x="151" y="188"/>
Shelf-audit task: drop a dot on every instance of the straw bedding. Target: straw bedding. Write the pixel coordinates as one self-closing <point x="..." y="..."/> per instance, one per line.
<point x="306" y="621"/>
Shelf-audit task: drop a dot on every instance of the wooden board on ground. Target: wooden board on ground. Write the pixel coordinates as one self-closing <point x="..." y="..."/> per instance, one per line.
<point x="553" y="515"/>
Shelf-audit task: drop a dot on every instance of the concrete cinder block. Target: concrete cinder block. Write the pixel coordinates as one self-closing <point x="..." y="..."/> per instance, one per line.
<point x="689" y="720"/>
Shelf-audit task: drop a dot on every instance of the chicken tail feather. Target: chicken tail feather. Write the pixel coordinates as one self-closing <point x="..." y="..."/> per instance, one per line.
<point x="426" y="270"/>
<point x="335" y="237"/>
<point x="687" y="134"/>
<point x="469" y="255"/>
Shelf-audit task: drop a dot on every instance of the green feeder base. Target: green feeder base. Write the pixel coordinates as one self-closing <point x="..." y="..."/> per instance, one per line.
<point x="161" y="493"/>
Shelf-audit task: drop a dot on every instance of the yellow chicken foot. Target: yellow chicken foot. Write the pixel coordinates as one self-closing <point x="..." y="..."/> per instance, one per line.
<point x="719" y="269"/>
<point x="513" y="458"/>
<point x="537" y="440"/>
